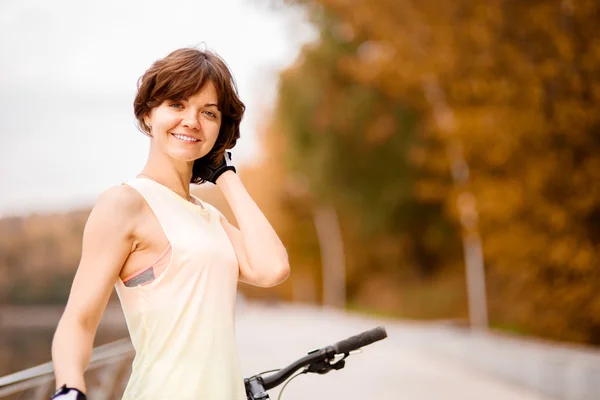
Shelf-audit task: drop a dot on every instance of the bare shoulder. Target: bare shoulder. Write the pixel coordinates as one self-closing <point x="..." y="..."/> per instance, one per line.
<point x="119" y="203"/>
<point x="121" y="197"/>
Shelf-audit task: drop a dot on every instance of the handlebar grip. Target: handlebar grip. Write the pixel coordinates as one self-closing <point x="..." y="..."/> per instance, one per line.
<point x="360" y="340"/>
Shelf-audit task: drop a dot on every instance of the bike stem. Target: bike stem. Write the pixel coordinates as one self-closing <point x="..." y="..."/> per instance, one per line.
<point x="255" y="388"/>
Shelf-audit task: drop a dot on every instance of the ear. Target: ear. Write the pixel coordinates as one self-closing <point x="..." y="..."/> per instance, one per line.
<point x="148" y="123"/>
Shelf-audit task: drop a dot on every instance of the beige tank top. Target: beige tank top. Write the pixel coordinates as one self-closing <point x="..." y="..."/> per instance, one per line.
<point x="182" y="324"/>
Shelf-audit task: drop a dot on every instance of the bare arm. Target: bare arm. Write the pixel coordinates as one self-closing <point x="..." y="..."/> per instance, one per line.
<point x="263" y="260"/>
<point x="107" y="242"/>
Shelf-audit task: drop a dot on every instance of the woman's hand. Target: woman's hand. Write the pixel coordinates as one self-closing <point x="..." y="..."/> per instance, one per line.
<point x="211" y="173"/>
<point x="65" y="393"/>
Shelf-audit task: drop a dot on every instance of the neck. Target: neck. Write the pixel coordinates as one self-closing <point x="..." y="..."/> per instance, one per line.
<point x="175" y="177"/>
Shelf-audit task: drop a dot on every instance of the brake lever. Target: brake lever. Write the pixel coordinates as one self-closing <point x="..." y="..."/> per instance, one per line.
<point x="325" y="366"/>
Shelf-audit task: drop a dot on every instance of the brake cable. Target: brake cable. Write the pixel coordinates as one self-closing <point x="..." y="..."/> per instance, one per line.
<point x="289" y="380"/>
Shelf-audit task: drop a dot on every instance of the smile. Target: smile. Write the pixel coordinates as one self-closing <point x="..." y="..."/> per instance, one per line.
<point x="185" y="138"/>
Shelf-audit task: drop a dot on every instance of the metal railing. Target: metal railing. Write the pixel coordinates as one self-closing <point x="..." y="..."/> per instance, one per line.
<point x="105" y="377"/>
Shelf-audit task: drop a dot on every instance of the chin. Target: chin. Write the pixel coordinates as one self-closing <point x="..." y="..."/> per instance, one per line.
<point x="186" y="156"/>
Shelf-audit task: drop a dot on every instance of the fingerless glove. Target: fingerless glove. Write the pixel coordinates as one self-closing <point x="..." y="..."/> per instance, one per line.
<point x="209" y="172"/>
<point x="66" y="393"/>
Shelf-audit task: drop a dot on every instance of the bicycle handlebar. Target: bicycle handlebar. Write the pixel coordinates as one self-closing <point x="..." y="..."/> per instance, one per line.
<point x="360" y="340"/>
<point x="277" y="378"/>
<point x="325" y="354"/>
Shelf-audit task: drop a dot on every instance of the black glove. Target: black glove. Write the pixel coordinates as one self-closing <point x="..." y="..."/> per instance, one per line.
<point x="210" y="173"/>
<point x="65" y="393"/>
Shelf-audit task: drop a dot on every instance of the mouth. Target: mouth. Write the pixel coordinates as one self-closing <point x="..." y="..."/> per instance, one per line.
<point x="185" y="138"/>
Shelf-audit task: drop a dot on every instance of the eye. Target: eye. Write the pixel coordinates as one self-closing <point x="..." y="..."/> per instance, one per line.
<point x="176" y="104"/>
<point x="210" y="114"/>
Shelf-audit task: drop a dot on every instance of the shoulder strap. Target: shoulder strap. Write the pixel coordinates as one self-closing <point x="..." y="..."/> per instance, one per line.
<point x="162" y="203"/>
<point x="214" y="211"/>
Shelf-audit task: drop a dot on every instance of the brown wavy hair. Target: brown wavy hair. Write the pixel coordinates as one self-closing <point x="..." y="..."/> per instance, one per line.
<point x="179" y="76"/>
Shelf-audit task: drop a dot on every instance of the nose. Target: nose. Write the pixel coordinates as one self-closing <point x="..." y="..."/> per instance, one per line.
<point x="190" y="120"/>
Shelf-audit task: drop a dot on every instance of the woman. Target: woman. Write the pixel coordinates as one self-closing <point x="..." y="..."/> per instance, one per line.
<point x="173" y="259"/>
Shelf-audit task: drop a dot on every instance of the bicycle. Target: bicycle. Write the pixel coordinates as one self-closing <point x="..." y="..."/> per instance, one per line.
<point x="319" y="361"/>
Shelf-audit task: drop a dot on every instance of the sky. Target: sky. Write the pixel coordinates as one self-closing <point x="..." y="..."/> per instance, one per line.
<point x="68" y="74"/>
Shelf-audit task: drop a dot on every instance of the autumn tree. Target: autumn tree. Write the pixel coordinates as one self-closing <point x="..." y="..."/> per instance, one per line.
<point x="521" y="82"/>
<point x="353" y="144"/>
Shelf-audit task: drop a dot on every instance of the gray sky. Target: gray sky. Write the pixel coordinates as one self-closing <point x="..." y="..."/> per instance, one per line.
<point x="68" y="71"/>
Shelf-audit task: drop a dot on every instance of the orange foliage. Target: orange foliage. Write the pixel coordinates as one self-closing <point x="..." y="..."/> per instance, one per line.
<point x="521" y="79"/>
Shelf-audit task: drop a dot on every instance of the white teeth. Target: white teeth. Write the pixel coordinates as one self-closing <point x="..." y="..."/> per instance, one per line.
<point x="186" y="138"/>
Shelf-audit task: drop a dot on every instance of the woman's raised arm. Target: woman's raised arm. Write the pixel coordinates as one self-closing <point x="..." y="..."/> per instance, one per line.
<point x="262" y="257"/>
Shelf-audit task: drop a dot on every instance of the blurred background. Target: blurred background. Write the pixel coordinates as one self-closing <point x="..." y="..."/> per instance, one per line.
<point x="421" y="160"/>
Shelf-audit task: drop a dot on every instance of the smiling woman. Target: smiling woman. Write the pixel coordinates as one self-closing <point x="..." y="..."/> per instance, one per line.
<point x="187" y="129"/>
<point x="174" y="259"/>
<point x="171" y="90"/>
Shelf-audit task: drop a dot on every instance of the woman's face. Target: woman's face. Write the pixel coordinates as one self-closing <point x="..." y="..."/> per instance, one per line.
<point x="187" y="129"/>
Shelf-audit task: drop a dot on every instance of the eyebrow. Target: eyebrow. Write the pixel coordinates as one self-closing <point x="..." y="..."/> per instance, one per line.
<point x="207" y="104"/>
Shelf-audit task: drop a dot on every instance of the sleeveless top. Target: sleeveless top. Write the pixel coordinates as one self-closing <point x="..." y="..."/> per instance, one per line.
<point x="182" y="324"/>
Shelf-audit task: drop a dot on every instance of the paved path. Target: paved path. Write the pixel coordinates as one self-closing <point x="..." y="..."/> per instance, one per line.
<point x="270" y="337"/>
<point x="413" y="363"/>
